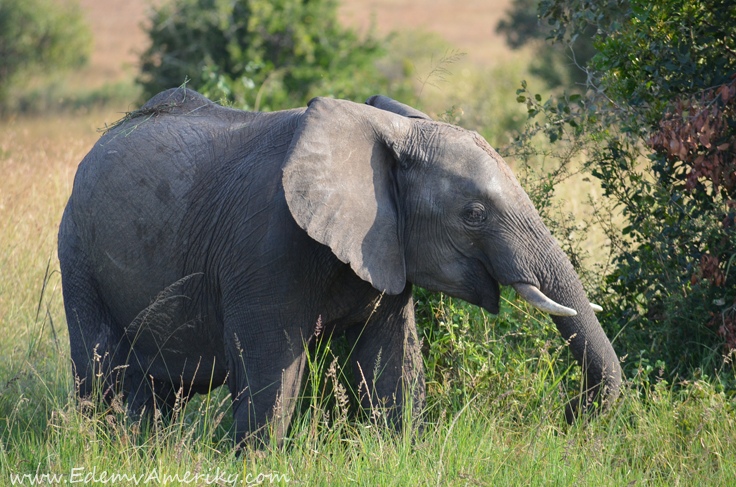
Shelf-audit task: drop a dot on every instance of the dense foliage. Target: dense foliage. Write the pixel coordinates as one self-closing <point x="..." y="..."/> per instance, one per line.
<point x="258" y="54"/>
<point x="38" y="36"/>
<point x="657" y="128"/>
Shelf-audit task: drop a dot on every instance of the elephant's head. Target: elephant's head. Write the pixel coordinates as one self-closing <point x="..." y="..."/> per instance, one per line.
<point x="402" y="198"/>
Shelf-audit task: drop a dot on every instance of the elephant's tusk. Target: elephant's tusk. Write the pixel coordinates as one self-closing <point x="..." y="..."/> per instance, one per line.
<point x="596" y="308"/>
<point x="534" y="296"/>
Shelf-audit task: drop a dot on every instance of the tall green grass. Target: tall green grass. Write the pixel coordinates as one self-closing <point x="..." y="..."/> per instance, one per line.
<point x="498" y="421"/>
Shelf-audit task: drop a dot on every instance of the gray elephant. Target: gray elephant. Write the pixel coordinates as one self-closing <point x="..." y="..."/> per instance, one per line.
<point x="202" y="244"/>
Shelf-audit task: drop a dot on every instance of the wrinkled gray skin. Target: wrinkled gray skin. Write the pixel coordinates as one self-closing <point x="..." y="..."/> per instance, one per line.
<point x="201" y="245"/>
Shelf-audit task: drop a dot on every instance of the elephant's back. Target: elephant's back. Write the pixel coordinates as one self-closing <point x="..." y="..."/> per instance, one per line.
<point x="133" y="192"/>
<point x="159" y="152"/>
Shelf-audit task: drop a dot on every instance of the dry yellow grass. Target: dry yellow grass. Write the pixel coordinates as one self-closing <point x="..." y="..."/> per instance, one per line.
<point x="38" y="159"/>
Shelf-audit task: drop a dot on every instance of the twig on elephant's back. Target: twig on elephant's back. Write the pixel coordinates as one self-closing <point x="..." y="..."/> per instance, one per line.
<point x="141" y="112"/>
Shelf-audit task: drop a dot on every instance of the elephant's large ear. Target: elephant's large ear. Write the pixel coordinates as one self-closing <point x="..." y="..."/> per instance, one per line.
<point x="339" y="184"/>
<point x="391" y="105"/>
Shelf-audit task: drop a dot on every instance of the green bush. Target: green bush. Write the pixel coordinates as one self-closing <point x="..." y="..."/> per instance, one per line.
<point x="657" y="127"/>
<point x="39" y="36"/>
<point x="259" y="54"/>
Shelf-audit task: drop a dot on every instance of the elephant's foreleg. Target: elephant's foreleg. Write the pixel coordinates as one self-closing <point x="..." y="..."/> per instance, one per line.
<point x="387" y="362"/>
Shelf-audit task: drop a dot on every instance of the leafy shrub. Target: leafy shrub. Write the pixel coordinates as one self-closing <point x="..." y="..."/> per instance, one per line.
<point x="258" y="54"/>
<point x="656" y="127"/>
<point x="39" y="36"/>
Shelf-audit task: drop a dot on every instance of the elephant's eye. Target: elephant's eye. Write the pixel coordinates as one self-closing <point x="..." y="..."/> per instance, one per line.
<point x="474" y="214"/>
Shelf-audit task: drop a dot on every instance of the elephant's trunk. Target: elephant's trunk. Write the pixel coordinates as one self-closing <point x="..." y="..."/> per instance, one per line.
<point x="588" y="342"/>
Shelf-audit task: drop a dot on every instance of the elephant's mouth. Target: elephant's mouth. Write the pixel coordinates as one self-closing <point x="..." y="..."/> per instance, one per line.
<point x="487" y="290"/>
<point x="490" y="299"/>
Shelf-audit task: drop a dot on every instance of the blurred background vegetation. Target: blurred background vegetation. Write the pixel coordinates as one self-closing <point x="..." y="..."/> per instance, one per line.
<point x="39" y="37"/>
<point x="617" y="117"/>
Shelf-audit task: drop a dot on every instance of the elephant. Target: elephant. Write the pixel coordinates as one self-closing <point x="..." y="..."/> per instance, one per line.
<point x="202" y="245"/>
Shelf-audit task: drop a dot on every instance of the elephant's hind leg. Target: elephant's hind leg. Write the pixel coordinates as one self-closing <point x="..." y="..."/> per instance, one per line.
<point x="147" y="395"/>
<point x="96" y="341"/>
